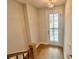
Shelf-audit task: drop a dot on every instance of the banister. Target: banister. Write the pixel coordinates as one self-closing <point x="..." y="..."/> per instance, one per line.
<point x="31" y="53"/>
<point x="18" y="53"/>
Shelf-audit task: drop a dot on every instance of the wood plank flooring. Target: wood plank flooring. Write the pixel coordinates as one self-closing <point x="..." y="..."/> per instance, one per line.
<point x="50" y="52"/>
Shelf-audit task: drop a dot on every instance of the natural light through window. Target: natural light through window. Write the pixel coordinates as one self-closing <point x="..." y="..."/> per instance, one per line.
<point x="53" y="27"/>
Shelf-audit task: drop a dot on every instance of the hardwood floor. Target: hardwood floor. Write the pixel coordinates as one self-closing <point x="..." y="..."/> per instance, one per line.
<point x="50" y="52"/>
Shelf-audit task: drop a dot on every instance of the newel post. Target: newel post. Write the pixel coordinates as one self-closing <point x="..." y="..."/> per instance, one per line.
<point x="32" y="51"/>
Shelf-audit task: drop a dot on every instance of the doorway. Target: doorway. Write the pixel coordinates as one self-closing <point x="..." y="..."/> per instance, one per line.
<point x="53" y="29"/>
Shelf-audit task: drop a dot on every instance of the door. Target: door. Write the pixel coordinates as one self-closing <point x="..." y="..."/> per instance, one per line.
<point x="53" y="27"/>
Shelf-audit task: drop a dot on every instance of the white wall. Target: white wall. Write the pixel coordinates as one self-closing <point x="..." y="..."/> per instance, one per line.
<point x="43" y="16"/>
<point x="33" y="23"/>
<point x="68" y="28"/>
<point x="23" y="25"/>
<point x="17" y="39"/>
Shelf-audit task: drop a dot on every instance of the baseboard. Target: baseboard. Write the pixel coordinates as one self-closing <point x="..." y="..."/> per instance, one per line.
<point x="44" y="43"/>
<point x="37" y="45"/>
<point x="53" y="44"/>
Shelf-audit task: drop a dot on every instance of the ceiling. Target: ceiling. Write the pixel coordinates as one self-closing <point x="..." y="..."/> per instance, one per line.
<point x="44" y="3"/>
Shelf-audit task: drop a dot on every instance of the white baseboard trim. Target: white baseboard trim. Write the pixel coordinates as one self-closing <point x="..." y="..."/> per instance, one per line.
<point x="53" y="44"/>
<point x="45" y="43"/>
<point x="41" y="43"/>
<point x="37" y="45"/>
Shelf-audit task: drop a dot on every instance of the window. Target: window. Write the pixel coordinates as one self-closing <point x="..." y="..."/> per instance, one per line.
<point x="53" y="27"/>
